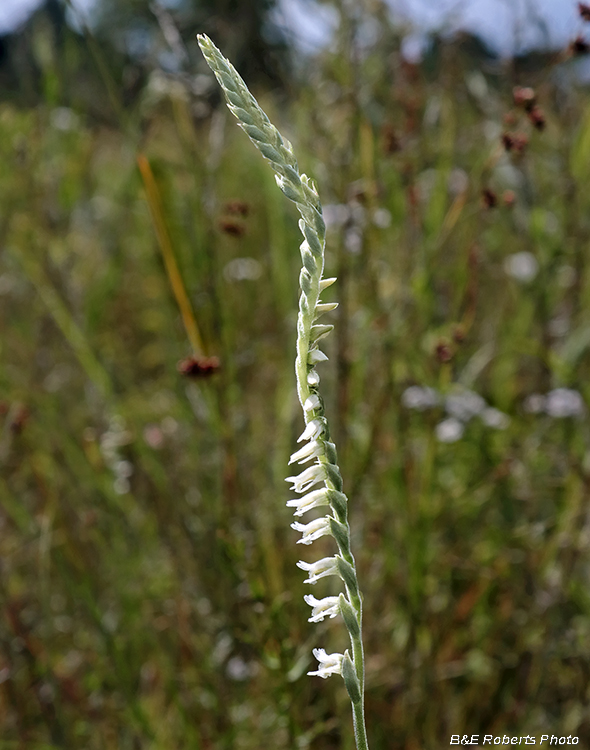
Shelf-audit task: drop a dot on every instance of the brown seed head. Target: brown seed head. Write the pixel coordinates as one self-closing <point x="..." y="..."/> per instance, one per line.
<point x="509" y="198"/>
<point x="584" y="11"/>
<point x="489" y="198"/>
<point x="537" y="117"/>
<point x="390" y="141"/>
<point x="241" y="208"/>
<point x="443" y="352"/>
<point x="579" y="46"/>
<point x="198" y="366"/>
<point x="232" y="227"/>
<point x="524" y="96"/>
<point x="516" y="142"/>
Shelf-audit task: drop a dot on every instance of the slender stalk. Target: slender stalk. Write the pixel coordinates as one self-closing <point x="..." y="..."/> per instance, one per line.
<point x="316" y="436"/>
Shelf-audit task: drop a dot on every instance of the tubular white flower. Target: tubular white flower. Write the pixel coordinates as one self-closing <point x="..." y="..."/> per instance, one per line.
<point x="324" y="307"/>
<point x="309" y="451"/>
<point x="313" y="378"/>
<point x="312" y="402"/>
<point x="325" y="283"/>
<point x="315" y="356"/>
<point x="312" y="431"/>
<point x="329" y="663"/>
<point x="313" y="499"/>
<point x="307" y="478"/>
<point x="313" y="530"/>
<point x="327" y="607"/>
<point x="327" y="566"/>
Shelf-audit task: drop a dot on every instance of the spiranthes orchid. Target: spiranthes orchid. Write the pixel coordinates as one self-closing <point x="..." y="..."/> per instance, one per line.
<point x="302" y="191"/>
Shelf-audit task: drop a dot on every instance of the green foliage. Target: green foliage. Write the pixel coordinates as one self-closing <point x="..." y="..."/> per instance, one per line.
<point x="148" y="579"/>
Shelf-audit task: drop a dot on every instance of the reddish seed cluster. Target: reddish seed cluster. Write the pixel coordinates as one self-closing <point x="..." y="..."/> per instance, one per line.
<point x="241" y="208"/>
<point x="390" y="140"/>
<point x="579" y="46"/>
<point x="537" y="117"/>
<point x="508" y="198"/>
<point x="232" y="227"/>
<point x="584" y="11"/>
<point x="489" y="198"/>
<point x="524" y="96"/>
<point x="516" y="142"/>
<point x="443" y="352"/>
<point x="198" y="366"/>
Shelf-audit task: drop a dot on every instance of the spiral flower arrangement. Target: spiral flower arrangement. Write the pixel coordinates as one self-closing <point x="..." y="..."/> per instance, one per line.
<point x="320" y="484"/>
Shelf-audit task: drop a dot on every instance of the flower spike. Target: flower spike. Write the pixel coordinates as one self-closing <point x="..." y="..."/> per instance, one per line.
<point x="303" y="192"/>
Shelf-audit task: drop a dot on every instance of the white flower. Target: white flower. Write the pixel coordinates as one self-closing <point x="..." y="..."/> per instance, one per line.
<point x="325" y="283"/>
<point x="449" y="431"/>
<point x="564" y="402"/>
<point x="311" y="402"/>
<point x="313" y="378"/>
<point x="309" y="451"/>
<point x="535" y="403"/>
<point x="495" y="418"/>
<point x="329" y="663"/>
<point x="324" y="307"/>
<point x="420" y="398"/>
<point x="521" y="266"/>
<point x="307" y="478"/>
<point x="313" y="530"/>
<point x="327" y="607"/>
<point x="327" y="566"/>
<point x="307" y="502"/>
<point x="464" y="404"/>
<point x="315" y="356"/>
<point x="312" y="431"/>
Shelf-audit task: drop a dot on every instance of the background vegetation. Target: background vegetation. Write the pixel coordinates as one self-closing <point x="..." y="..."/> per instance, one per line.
<point x="148" y="591"/>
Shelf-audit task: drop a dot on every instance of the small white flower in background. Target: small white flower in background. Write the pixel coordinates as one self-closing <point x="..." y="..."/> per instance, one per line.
<point x="464" y="405"/>
<point x="329" y="663"/>
<point x="458" y="181"/>
<point x="521" y="266"/>
<point x="558" y="403"/>
<point x="564" y="402"/>
<point x="420" y="397"/>
<point x="335" y="215"/>
<point x="242" y="269"/>
<point x="449" y="431"/>
<point x="327" y="607"/>
<point x="313" y="530"/>
<point x="495" y="418"/>
<point x="327" y="566"/>
<point x="535" y="403"/>
<point x="63" y="118"/>
<point x="382" y="218"/>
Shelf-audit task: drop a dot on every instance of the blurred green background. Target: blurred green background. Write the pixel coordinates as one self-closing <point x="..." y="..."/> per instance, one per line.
<point x="149" y="597"/>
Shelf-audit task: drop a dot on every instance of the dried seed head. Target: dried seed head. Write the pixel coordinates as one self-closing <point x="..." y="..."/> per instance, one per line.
<point x="537" y="117"/>
<point x="198" y="366"/>
<point x="489" y="198"/>
<point x="524" y="96"/>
